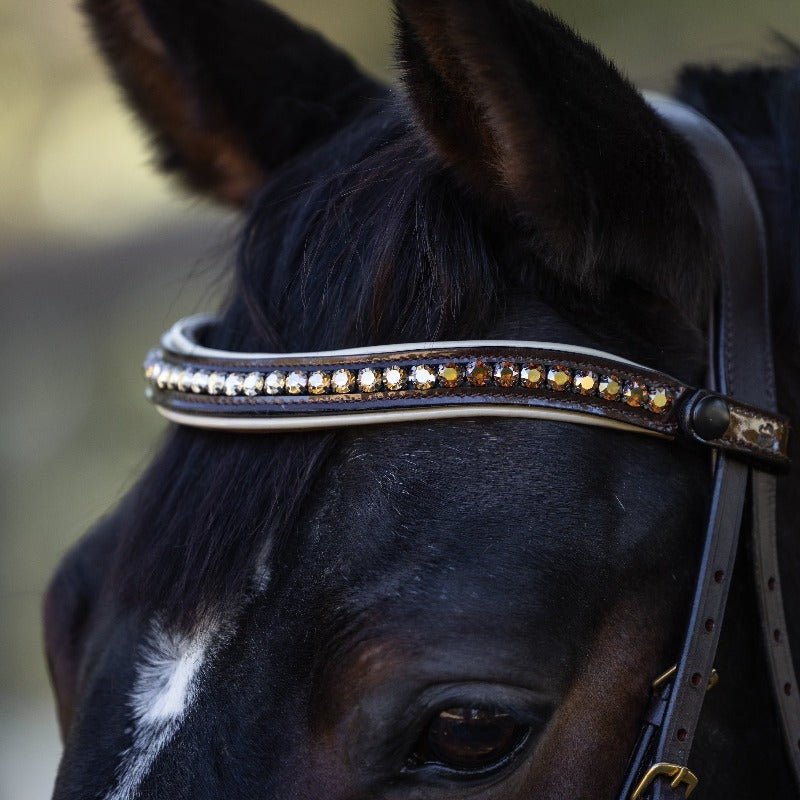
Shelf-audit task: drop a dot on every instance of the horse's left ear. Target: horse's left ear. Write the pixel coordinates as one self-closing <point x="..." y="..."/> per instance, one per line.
<point x="71" y="605"/>
<point x="229" y="89"/>
<point x="557" y="145"/>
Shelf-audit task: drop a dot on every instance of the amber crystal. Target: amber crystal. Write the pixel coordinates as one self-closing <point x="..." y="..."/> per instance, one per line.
<point x="479" y="373"/>
<point x="506" y="374"/>
<point x="369" y="379"/>
<point x="395" y="378"/>
<point x="585" y="382"/>
<point x="450" y="375"/>
<point x="532" y="376"/>
<point x="423" y="376"/>
<point x="559" y="378"/>
<point x="318" y="382"/>
<point x="660" y="399"/>
<point x="635" y="394"/>
<point x="610" y="387"/>
<point x="342" y="381"/>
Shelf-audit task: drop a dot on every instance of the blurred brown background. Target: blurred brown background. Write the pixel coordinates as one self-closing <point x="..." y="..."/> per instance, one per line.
<point x="98" y="256"/>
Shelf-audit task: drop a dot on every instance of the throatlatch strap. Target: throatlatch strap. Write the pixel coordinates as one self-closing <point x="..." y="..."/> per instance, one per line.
<point x="744" y="370"/>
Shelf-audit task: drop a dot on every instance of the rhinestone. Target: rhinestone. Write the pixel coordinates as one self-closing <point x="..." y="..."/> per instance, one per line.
<point x="450" y="375"/>
<point x="660" y="399"/>
<point x="506" y="374"/>
<point x="585" y="382"/>
<point x="532" y="376"/>
<point x="234" y="384"/>
<point x="610" y="387"/>
<point x="253" y="384"/>
<point x="162" y="377"/>
<point x="200" y="382"/>
<point x="185" y="380"/>
<point x="635" y="394"/>
<point x="479" y="373"/>
<point x="395" y="378"/>
<point x="151" y="370"/>
<point x="296" y="382"/>
<point x="172" y="378"/>
<point x="559" y="378"/>
<point x="423" y="377"/>
<point x="275" y="383"/>
<point x="342" y="381"/>
<point x="319" y="382"/>
<point x="369" y="380"/>
<point x="216" y="382"/>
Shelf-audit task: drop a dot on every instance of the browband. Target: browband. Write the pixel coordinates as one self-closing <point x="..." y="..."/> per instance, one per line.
<point x="250" y="392"/>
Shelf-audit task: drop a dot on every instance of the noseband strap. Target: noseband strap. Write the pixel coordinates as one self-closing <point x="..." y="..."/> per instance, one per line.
<point x="735" y="416"/>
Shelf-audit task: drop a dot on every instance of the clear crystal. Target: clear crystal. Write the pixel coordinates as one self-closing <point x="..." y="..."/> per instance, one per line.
<point x="318" y="382"/>
<point x="369" y="380"/>
<point x="342" y="381"/>
<point x="216" y="382"/>
<point x="173" y="375"/>
<point x="185" y="380"/>
<point x="253" y="384"/>
<point x="234" y="384"/>
<point x="162" y="376"/>
<point x="200" y="382"/>
<point x="423" y="377"/>
<point x="296" y="382"/>
<point x="395" y="378"/>
<point x="275" y="383"/>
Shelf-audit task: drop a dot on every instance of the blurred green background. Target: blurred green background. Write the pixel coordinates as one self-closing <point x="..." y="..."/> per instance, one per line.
<point x="98" y="255"/>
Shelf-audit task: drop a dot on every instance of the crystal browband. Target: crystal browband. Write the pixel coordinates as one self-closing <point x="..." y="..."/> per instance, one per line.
<point x="198" y="386"/>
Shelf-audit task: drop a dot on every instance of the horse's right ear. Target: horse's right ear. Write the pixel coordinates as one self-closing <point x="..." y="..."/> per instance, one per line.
<point x="230" y="89"/>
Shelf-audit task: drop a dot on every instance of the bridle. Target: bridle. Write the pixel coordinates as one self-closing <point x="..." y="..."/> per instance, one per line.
<point x="735" y="417"/>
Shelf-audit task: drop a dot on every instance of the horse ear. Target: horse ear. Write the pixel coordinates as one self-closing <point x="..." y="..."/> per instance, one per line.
<point x="550" y="137"/>
<point x="230" y="89"/>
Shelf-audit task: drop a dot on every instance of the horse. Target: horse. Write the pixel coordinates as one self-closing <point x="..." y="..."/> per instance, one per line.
<point x="440" y="608"/>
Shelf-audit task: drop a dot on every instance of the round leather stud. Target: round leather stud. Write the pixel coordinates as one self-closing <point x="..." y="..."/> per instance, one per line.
<point x="711" y="417"/>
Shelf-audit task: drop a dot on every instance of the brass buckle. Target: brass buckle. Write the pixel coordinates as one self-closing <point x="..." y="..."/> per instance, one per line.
<point x="667" y="676"/>
<point x="677" y="775"/>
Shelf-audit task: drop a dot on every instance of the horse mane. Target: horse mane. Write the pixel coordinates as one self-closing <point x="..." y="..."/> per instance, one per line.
<point x="322" y="265"/>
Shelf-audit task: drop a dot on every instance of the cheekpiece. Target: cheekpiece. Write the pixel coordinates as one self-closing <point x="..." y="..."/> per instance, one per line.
<point x="250" y="392"/>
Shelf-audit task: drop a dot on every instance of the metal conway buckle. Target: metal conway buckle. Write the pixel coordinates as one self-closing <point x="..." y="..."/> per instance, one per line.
<point x="678" y="775"/>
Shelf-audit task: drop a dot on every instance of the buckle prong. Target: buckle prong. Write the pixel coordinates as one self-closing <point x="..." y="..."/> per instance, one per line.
<point x="676" y="774"/>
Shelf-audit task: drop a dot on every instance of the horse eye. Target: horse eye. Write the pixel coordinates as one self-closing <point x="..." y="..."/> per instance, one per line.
<point x="468" y="739"/>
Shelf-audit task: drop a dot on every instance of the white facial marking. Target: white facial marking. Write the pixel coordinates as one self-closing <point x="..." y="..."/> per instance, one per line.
<point x="165" y="686"/>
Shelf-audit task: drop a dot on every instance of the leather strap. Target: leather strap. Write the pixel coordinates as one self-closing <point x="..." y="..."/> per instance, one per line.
<point x="744" y="370"/>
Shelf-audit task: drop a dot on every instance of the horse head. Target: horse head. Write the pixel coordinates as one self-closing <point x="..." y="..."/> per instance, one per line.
<point x="433" y="609"/>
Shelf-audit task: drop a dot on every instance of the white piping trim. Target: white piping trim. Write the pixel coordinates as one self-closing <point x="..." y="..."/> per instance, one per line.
<point x="178" y="340"/>
<point x="346" y="420"/>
